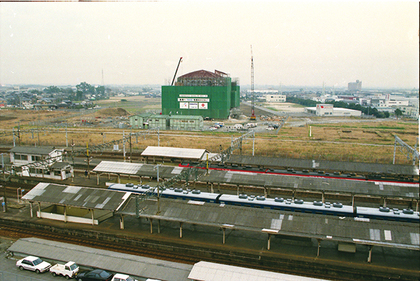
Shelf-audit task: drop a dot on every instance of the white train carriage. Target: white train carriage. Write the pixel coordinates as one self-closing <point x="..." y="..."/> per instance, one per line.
<point x="175" y="193"/>
<point x="385" y="213"/>
<point x="296" y="205"/>
<point x="187" y="194"/>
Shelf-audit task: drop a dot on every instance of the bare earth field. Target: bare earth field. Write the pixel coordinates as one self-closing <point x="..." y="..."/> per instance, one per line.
<point x="284" y="106"/>
<point x="345" y="141"/>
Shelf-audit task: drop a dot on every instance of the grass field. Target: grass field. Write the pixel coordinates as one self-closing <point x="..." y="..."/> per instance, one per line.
<point x="346" y="141"/>
<point x="134" y="104"/>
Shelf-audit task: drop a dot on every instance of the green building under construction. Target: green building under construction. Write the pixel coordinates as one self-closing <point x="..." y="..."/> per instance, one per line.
<point x="202" y="93"/>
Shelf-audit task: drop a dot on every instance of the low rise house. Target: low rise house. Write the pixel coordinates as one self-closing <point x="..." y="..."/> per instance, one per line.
<point x="46" y="162"/>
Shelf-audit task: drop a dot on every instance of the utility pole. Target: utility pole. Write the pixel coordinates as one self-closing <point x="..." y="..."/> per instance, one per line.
<point x="4" y="203"/>
<point x="19" y="133"/>
<point x="87" y="156"/>
<point x="39" y="142"/>
<point x="67" y="141"/>
<point x="123" y="145"/>
<point x="14" y="138"/>
<point x="72" y="157"/>
<point x="158" y="191"/>
<point x="131" y="149"/>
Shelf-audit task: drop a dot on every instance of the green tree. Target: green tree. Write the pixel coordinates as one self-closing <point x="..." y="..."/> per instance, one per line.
<point x="398" y="113"/>
<point x="52" y="90"/>
<point x="83" y="89"/>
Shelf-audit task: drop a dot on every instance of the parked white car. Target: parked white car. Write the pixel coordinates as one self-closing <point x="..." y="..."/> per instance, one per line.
<point x="122" y="277"/>
<point x="68" y="270"/>
<point x="34" y="264"/>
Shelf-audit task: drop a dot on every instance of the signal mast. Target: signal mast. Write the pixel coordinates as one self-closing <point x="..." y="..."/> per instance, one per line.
<point x="252" y="88"/>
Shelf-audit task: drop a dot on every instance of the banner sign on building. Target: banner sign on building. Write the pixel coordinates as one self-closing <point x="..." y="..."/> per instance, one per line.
<point x="193" y="96"/>
<point x="203" y="105"/>
<point x="193" y="99"/>
<point x="183" y="105"/>
<point x="193" y="105"/>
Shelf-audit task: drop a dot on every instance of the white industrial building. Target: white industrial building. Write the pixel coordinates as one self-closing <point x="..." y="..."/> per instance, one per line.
<point x="329" y="110"/>
<point x="275" y="98"/>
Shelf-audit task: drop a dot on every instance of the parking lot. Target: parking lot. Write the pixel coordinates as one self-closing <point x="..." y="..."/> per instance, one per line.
<point x="10" y="272"/>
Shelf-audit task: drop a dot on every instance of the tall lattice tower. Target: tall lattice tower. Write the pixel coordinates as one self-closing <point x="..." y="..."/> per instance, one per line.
<point x="252" y="88"/>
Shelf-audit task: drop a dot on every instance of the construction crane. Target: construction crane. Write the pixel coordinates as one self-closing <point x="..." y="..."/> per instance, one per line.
<point x="176" y="71"/>
<point x="252" y="89"/>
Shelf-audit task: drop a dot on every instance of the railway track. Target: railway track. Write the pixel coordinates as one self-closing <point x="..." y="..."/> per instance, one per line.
<point x="192" y="255"/>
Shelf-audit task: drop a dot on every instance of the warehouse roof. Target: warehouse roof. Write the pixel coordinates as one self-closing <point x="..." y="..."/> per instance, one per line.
<point x="203" y="74"/>
<point x="109" y="260"/>
<point x="324" y="227"/>
<point x="76" y="196"/>
<point x="176" y="152"/>
<point x="185" y="117"/>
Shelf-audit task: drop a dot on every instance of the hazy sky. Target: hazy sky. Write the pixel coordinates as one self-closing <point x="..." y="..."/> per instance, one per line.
<point x="302" y="43"/>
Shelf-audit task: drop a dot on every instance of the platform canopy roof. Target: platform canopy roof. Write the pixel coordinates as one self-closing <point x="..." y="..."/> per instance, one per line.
<point x="218" y="272"/>
<point x="324" y="227"/>
<point x="175" y="152"/>
<point x="77" y="196"/>
<point x="118" y="167"/>
<point x="360" y="188"/>
<point x="357" y="167"/>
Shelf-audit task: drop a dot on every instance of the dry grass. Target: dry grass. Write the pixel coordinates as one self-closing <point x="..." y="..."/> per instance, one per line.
<point x="359" y="142"/>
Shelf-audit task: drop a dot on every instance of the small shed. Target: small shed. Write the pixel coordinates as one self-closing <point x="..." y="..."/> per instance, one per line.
<point x="158" y="121"/>
<point x="139" y="121"/>
<point x="186" y="122"/>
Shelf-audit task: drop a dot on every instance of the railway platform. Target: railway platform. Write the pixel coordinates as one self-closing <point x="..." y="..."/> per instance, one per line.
<point x="295" y="255"/>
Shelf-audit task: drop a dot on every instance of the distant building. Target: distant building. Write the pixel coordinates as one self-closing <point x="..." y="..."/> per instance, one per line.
<point x="329" y="110"/>
<point x="275" y="98"/>
<point x="158" y="122"/>
<point x="138" y="121"/>
<point x="324" y="109"/>
<point x="167" y="122"/>
<point x="22" y="155"/>
<point x="355" y="86"/>
<point x="185" y="122"/>
<point x="202" y="93"/>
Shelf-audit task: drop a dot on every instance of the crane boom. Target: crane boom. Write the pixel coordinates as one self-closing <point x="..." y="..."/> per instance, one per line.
<point x="176" y="71"/>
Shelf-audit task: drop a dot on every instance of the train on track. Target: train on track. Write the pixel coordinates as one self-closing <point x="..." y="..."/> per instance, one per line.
<point x="307" y="173"/>
<point x="296" y="205"/>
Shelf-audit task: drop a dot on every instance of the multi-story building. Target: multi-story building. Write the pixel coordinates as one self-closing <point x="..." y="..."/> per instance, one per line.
<point x="275" y="98"/>
<point x="355" y="86"/>
<point x="201" y="93"/>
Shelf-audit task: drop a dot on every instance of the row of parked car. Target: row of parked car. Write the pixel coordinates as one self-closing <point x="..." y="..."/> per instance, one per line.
<point x="69" y="270"/>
